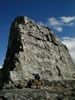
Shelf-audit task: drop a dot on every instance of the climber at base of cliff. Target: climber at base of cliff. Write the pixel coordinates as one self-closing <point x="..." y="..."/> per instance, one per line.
<point x="37" y="79"/>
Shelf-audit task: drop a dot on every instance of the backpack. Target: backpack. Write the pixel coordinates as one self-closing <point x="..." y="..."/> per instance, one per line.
<point x="37" y="77"/>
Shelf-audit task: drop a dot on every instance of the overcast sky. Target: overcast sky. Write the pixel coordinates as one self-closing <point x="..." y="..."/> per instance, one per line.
<point x="59" y="15"/>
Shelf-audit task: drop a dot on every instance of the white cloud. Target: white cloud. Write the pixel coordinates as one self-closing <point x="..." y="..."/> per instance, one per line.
<point x="67" y="19"/>
<point x="59" y="29"/>
<point x="70" y="43"/>
<point x="41" y="23"/>
<point x="58" y="23"/>
<point x="0" y="66"/>
<point x="53" y="21"/>
<point x="69" y="24"/>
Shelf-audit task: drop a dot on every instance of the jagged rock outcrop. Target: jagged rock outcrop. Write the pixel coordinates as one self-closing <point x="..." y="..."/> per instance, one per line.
<point x="35" y="48"/>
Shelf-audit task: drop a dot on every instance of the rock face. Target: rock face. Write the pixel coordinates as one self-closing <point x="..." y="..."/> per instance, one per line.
<point x="35" y="48"/>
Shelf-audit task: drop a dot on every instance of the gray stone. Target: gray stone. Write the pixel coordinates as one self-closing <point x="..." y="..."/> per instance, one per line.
<point x="35" y="48"/>
<point x="37" y="94"/>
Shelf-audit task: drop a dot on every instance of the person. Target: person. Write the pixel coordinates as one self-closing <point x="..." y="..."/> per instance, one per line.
<point x="30" y="82"/>
<point x="37" y="79"/>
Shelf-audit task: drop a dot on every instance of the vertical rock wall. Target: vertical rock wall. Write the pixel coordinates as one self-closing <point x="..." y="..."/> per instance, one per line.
<point x="35" y="48"/>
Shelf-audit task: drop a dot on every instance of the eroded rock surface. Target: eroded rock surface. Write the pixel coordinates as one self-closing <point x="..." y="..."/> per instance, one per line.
<point x="37" y="94"/>
<point x="35" y="48"/>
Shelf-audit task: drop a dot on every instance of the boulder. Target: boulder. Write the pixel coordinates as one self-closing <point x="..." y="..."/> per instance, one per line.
<point x="35" y="48"/>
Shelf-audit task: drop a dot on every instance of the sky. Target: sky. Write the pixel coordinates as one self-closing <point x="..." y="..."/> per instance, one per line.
<point x="59" y="15"/>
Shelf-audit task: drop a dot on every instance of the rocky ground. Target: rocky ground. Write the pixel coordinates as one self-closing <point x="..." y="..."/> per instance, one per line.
<point x="64" y="90"/>
<point x="38" y="94"/>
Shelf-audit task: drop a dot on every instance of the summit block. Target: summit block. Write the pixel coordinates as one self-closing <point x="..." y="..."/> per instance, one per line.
<point x="35" y="48"/>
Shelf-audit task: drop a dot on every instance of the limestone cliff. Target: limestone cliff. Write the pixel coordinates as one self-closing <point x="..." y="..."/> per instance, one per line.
<point x="35" y="48"/>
